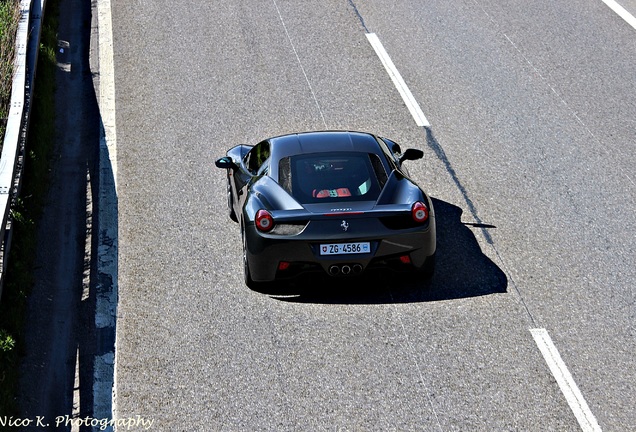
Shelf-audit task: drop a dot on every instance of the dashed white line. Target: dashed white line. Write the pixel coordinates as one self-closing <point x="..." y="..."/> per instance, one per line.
<point x="407" y="96"/>
<point x="568" y="387"/>
<point x="570" y="390"/>
<point x="622" y="12"/>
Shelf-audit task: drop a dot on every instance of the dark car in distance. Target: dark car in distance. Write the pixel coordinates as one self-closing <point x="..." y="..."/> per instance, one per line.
<point x="335" y="202"/>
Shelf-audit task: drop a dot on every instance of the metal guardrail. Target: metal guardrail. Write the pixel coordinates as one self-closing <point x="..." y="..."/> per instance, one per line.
<point x="12" y="157"/>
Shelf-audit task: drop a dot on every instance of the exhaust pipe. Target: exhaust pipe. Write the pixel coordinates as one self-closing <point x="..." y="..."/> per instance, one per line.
<point x="345" y="269"/>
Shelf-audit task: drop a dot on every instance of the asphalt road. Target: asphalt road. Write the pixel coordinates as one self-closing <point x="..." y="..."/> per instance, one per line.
<point x="529" y="155"/>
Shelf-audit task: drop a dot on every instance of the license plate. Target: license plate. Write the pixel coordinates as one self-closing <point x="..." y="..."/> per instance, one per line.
<point x="345" y="248"/>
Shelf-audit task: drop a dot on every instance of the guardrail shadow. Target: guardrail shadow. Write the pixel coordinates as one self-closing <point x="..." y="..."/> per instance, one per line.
<point x="462" y="270"/>
<point x="68" y="371"/>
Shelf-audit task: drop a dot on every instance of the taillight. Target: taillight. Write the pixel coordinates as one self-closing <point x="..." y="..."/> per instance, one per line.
<point x="264" y="221"/>
<point x="419" y="211"/>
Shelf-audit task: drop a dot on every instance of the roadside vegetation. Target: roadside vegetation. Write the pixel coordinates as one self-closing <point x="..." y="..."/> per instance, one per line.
<point x="27" y="208"/>
<point x="9" y="15"/>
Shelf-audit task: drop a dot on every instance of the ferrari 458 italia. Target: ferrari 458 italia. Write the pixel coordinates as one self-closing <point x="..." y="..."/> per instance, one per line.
<point x="337" y="203"/>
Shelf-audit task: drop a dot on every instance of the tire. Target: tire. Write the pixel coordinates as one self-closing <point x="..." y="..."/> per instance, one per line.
<point x="425" y="273"/>
<point x="230" y="202"/>
<point x="428" y="269"/>
<point x="246" y="268"/>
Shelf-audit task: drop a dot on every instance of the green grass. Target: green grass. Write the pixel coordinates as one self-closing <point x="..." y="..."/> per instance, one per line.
<point x="9" y="15"/>
<point x="25" y="214"/>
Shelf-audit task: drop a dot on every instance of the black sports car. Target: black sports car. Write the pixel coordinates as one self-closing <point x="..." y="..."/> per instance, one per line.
<point x="337" y="203"/>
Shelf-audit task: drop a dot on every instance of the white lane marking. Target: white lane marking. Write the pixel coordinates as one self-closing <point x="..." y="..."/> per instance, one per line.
<point x="107" y="81"/>
<point x="559" y="370"/>
<point x="622" y="12"/>
<point x="407" y="96"/>
<point x="104" y="380"/>
<point x="300" y="63"/>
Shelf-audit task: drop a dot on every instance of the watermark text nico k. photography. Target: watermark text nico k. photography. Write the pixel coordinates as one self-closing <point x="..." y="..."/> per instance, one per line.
<point x="65" y="421"/>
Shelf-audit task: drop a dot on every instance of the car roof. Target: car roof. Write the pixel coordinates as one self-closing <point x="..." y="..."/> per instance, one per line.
<point x="320" y="142"/>
<point x="325" y="141"/>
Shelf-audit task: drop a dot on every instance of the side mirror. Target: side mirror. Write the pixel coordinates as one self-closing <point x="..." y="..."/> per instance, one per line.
<point x="225" y="162"/>
<point x="411" y="154"/>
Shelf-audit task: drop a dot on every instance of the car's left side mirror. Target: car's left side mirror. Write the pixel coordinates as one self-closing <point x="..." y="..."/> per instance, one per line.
<point x="225" y="162"/>
<point x="411" y="154"/>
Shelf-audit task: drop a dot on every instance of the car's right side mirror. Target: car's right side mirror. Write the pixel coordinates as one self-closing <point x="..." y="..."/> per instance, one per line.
<point x="411" y="154"/>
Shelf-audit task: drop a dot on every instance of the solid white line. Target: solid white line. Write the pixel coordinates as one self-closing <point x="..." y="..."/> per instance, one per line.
<point x="407" y="96"/>
<point x="575" y="399"/>
<point x="622" y="12"/>
<point x="107" y="81"/>
<point x="104" y="380"/>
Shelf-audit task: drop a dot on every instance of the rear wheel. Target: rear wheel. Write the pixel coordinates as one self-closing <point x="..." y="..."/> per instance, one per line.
<point x="428" y="269"/>
<point x="246" y="268"/>
<point x="424" y="273"/>
<point x="230" y="202"/>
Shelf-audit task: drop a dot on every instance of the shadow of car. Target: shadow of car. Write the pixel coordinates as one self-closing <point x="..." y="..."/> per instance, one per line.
<point x="462" y="271"/>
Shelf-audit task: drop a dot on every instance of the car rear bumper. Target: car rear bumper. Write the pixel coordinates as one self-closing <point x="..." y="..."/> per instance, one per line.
<point x="266" y="253"/>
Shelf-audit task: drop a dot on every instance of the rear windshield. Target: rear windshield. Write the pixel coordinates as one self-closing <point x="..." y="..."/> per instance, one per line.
<point x="328" y="177"/>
